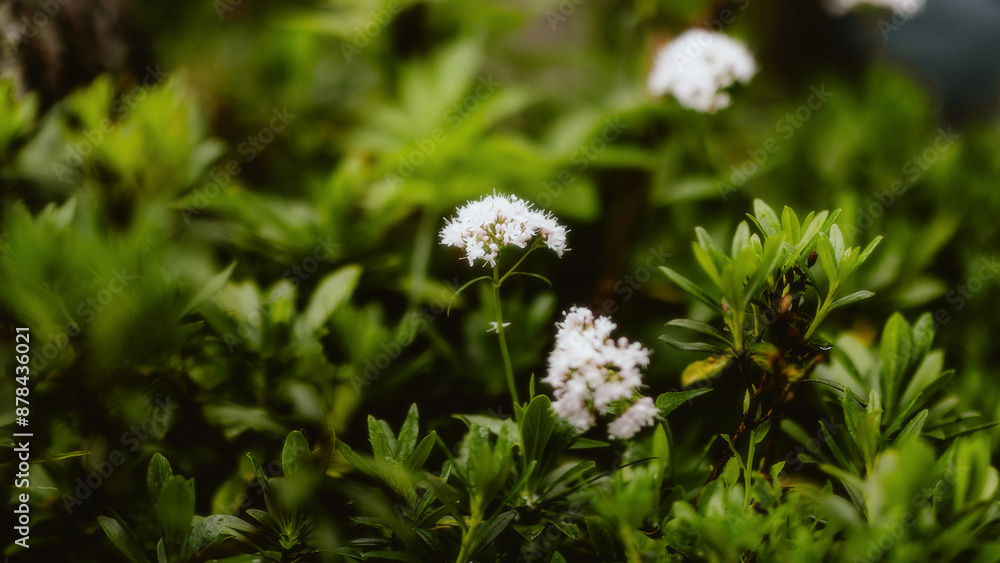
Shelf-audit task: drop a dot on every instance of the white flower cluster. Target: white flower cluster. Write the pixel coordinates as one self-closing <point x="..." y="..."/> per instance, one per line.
<point x="589" y="370"/>
<point x="697" y="65"/>
<point x="899" y="7"/>
<point x="482" y="228"/>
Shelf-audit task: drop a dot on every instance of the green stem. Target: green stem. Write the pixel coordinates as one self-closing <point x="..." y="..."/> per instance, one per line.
<point x="463" y="554"/>
<point x="821" y="312"/>
<point x="516" y="264"/>
<point x="508" y="369"/>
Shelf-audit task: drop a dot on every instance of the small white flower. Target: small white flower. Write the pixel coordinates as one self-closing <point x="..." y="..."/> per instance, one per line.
<point x="483" y="228"/>
<point x="898" y="7"/>
<point x="589" y="370"/>
<point x="697" y="65"/>
<point x="642" y="413"/>
<point x="493" y="326"/>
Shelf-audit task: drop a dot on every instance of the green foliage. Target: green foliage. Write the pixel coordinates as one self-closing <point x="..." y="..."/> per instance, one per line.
<point x="239" y="253"/>
<point x="186" y="537"/>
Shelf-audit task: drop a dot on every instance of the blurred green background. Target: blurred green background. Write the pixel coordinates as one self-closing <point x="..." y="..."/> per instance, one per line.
<point x="232" y="208"/>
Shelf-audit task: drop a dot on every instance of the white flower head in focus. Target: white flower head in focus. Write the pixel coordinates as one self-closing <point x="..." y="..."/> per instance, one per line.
<point x="899" y="7"/>
<point x="697" y="65"/>
<point x="483" y="228"/>
<point x="589" y="370"/>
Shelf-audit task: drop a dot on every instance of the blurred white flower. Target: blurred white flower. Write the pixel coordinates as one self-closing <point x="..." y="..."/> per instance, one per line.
<point x="589" y="370"/>
<point x="483" y="228"/>
<point x="642" y="413"/>
<point x="899" y="7"/>
<point x="697" y="65"/>
<point x="493" y="326"/>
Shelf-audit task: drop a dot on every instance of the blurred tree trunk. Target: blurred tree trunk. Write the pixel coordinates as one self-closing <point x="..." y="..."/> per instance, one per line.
<point x="55" y="46"/>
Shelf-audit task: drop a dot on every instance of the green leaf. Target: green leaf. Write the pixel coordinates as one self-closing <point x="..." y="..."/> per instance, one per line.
<point x="123" y="538"/>
<point x="587" y="443"/>
<point x="828" y="258"/>
<point x="920" y="399"/>
<point x="381" y="438"/>
<point x="837" y="242"/>
<point x="264" y="518"/>
<point x="529" y="532"/>
<point x="923" y="336"/>
<point x="461" y="289"/>
<point x="868" y="429"/>
<point x="485" y="534"/>
<point x="691" y="346"/>
<point x="669" y="402"/>
<point x="537" y="425"/>
<point x="828" y="220"/>
<point x="175" y="509"/>
<point x="706" y="369"/>
<point x="834" y="447"/>
<point x="419" y="455"/>
<point x="295" y="455"/>
<point x="806" y="242"/>
<point x="601" y="538"/>
<point x="790" y="224"/>
<point x="157" y="474"/>
<point x="766" y="218"/>
<point x="896" y="352"/>
<point x="698" y="326"/>
<point x="912" y="430"/>
<point x="741" y="238"/>
<point x="408" y="433"/>
<point x="708" y="244"/>
<point x="532" y="275"/>
<point x="925" y="375"/>
<point x="213" y="286"/>
<point x="692" y="289"/>
<point x="852" y="298"/>
<point x="706" y="263"/>
<point x="868" y="250"/>
<point x="736" y="457"/>
<point x="332" y="291"/>
<point x="206" y="533"/>
<point x="769" y="262"/>
<point x="852" y="415"/>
